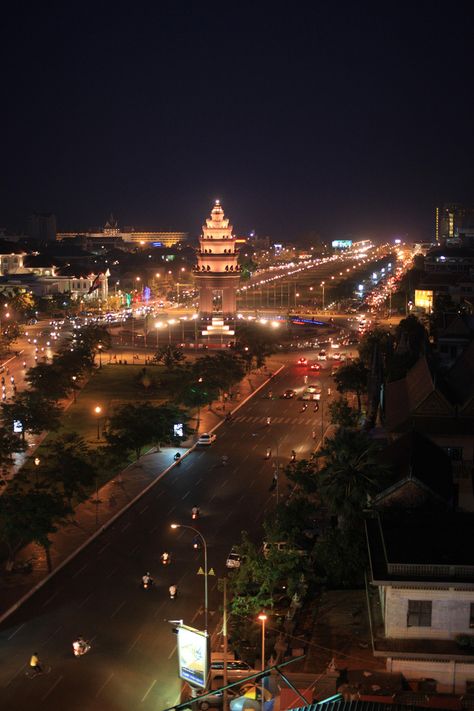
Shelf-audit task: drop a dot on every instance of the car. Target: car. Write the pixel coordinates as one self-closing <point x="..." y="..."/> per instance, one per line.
<point x="336" y="356"/>
<point x="315" y="366"/>
<point x="302" y="361"/>
<point x="233" y="559"/>
<point x="206" y="438"/>
<point x="288" y="394"/>
<point x="310" y="395"/>
<point x="322" y="355"/>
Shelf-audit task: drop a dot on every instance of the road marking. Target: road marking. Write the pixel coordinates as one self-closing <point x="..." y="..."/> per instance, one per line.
<point x="127" y="525"/>
<point x="199" y="481"/>
<point x="152" y="530"/>
<point x="109" y="575"/>
<point x="17" y="630"/>
<point x="186" y="494"/>
<point x="135" y="548"/>
<point x="78" y="572"/>
<point x="198" y="612"/>
<point x="134" y="643"/>
<point x="144" y="509"/>
<point x="172" y="652"/>
<point x="224" y="483"/>
<point x="251" y="484"/>
<point x="148" y="690"/>
<point x="43" y="698"/>
<point x="86" y="599"/>
<point x="104" y="684"/>
<point x="240" y="499"/>
<point x="171" y="510"/>
<point x="228" y="515"/>
<point x="212" y="497"/>
<point x="103" y="549"/>
<point x="50" y="598"/>
<point x="117" y="609"/>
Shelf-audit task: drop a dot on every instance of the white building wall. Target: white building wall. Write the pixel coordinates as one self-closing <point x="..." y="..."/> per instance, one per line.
<point x="451" y="677"/>
<point x="450" y="613"/>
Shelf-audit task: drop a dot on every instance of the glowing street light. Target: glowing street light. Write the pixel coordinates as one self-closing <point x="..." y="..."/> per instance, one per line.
<point x="263" y="618"/>
<point x="98" y="410"/>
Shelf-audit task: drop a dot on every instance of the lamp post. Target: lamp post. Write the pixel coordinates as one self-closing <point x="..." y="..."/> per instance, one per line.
<point x="198" y="533"/>
<point x="263" y="618"/>
<point x="100" y="354"/>
<point x="170" y="323"/>
<point x="98" y="410"/>
<point x="158" y="325"/>
<point x="37" y="461"/>
<point x="322" y="285"/>
<point x="74" y="378"/>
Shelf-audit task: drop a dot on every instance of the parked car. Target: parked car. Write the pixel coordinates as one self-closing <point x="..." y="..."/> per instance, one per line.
<point x="233" y="559"/>
<point x="206" y="438"/>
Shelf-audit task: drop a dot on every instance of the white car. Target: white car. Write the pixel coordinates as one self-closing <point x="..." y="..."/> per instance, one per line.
<point x="233" y="559"/>
<point x="206" y="438"/>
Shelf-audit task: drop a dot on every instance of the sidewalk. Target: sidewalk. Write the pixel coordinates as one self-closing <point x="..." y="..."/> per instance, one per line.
<point x="95" y="514"/>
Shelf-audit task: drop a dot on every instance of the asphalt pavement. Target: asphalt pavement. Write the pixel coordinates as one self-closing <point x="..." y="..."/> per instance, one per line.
<point x="132" y="663"/>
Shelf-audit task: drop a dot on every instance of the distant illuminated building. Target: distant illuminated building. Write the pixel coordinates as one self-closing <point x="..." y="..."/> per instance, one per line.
<point x="454" y="221"/>
<point x="217" y="273"/>
<point x="111" y="232"/>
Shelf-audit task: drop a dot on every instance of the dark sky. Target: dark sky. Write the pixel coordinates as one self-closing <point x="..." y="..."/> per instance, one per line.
<point x="339" y="117"/>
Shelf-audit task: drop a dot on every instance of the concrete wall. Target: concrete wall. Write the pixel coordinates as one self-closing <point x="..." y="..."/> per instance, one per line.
<point x="451" y="677"/>
<point x="450" y="613"/>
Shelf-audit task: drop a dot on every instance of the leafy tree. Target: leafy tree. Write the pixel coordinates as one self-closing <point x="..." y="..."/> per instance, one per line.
<point x="350" y="472"/>
<point x="304" y="474"/>
<point x="10" y="333"/>
<point x="196" y="394"/>
<point x="341" y="557"/>
<point x="10" y="444"/>
<point x="74" y="360"/>
<point x="50" y="380"/>
<point x="413" y="333"/>
<point x="254" y="343"/>
<point x="352" y="378"/>
<point x="71" y="465"/>
<point x="164" y="417"/>
<point x="130" y="428"/>
<point x="35" y="412"/>
<point x="220" y="371"/>
<point x="170" y="356"/>
<point x="30" y="514"/>
<point x="342" y="413"/>
<point x="92" y="338"/>
<point x="379" y="338"/>
<point x="22" y="303"/>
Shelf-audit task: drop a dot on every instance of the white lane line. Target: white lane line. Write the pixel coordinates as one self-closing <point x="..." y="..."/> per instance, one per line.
<point x="158" y="611"/>
<point x="52" y="635"/>
<point x="172" y="652"/>
<point x="78" y="572"/>
<point x="88" y="597"/>
<point x="197" y="613"/>
<point x="17" y="630"/>
<point x="20" y="670"/>
<point x="249" y="486"/>
<point x="171" y="510"/>
<point x="186" y="494"/>
<point x="135" y="549"/>
<point x="127" y="525"/>
<point x="103" y="549"/>
<point x="228" y="515"/>
<point x="134" y="642"/>
<point x="224" y="483"/>
<point x="109" y="575"/>
<point x="199" y="481"/>
<point x="144" y="509"/>
<point x="43" y="698"/>
<point x="104" y="684"/>
<point x="148" y="690"/>
<point x="155" y="528"/>
<point x="212" y="497"/>
<point x="117" y="609"/>
<point x="50" y="598"/>
<point x="240" y="499"/>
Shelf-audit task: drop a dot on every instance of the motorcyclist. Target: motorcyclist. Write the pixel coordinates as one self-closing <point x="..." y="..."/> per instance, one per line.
<point x="196" y="542"/>
<point x="269" y="419"/>
<point x="173" y="590"/>
<point x="268" y="453"/>
<point x="147" y="579"/>
<point x="79" y="646"/>
<point x="225" y="459"/>
<point x="195" y="512"/>
<point x="293" y="455"/>
<point x="177" y="457"/>
<point x="35" y="663"/>
<point x="165" y="558"/>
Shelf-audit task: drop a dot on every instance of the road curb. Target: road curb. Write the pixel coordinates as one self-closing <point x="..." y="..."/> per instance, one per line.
<point x="116" y="516"/>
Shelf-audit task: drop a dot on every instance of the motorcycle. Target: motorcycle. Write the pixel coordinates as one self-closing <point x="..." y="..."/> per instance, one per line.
<point x="166" y="558"/>
<point x="173" y="591"/>
<point x="268" y="453"/>
<point x="177" y="458"/>
<point x="147" y="582"/>
<point x="80" y="648"/>
<point x="195" y="514"/>
<point x="293" y="456"/>
<point x="304" y="407"/>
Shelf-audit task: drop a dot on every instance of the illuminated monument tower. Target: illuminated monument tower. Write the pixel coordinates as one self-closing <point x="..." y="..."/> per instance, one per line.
<point x="217" y="273"/>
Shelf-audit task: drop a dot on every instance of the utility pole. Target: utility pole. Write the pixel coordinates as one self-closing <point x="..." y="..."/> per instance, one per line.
<point x="224" y="636"/>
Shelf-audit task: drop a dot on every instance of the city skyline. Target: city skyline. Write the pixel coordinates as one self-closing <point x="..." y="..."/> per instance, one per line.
<point x="328" y="121"/>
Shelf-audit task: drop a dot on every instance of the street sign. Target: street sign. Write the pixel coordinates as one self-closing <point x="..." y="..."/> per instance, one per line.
<point x="193" y="656"/>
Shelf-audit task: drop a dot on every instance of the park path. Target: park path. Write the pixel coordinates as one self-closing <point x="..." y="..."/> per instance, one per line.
<point x="111" y="499"/>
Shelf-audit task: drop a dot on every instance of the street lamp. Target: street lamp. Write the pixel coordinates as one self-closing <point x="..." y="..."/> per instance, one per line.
<point x="263" y="618"/>
<point x="322" y="284"/>
<point x="100" y="354"/>
<point x="158" y="325"/>
<point x="98" y="410"/>
<point x="198" y="533"/>
<point x="74" y="378"/>
<point x="37" y="461"/>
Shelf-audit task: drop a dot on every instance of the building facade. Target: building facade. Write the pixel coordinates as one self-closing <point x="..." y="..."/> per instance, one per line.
<point x="217" y="273"/>
<point x="454" y="221"/>
<point x="111" y="233"/>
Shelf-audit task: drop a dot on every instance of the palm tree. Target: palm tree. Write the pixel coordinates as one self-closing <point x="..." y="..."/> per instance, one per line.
<point x="350" y="473"/>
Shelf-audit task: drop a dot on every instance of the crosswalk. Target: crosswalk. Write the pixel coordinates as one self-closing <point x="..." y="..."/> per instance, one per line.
<point x="278" y="420"/>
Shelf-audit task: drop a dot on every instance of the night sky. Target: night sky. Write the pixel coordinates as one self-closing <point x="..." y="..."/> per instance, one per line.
<point x="328" y="117"/>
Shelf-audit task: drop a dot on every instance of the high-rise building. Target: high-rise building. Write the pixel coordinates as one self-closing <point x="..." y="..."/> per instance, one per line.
<point x="217" y="273"/>
<point x="454" y="221"/>
<point x="42" y="226"/>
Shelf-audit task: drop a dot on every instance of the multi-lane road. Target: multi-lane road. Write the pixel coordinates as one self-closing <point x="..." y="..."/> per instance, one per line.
<point x="133" y="662"/>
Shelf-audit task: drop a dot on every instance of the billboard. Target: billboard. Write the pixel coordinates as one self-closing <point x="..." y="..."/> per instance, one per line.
<point x="341" y="243"/>
<point x="193" y="656"/>
<point x="424" y="299"/>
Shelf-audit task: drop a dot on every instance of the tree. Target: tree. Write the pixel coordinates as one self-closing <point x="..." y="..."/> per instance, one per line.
<point x="164" y="417"/>
<point x="35" y="412"/>
<point x="50" y="380"/>
<point x="342" y="413"/>
<point x="254" y="343"/>
<point x="10" y="332"/>
<point x="10" y="444"/>
<point x="412" y="334"/>
<point x="71" y="465"/>
<point x="130" y="428"/>
<point x="341" y="557"/>
<point x="92" y="338"/>
<point x="352" y="378"/>
<point x="196" y="394"/>
<point x="376" y="338"/>
<point x="22" y="303"/>
<point x="170" y="356"/>
<point x="220" y="371"/>
<point x="350" y="472"/>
